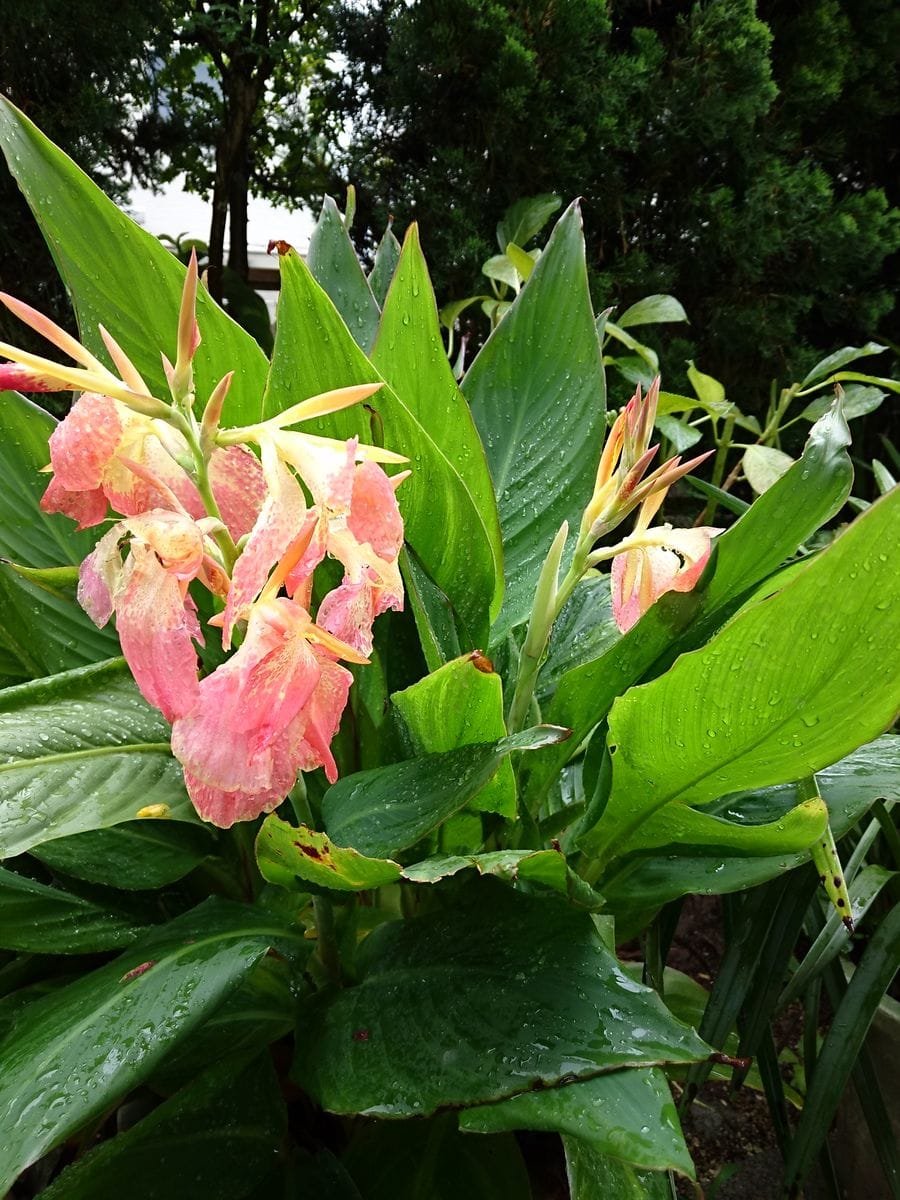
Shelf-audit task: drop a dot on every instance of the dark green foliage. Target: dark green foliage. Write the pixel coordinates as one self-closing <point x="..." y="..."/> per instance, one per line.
<point x="736" y="154"/>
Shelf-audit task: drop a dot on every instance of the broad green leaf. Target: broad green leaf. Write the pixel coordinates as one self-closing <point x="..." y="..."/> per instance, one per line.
<point x="134" y="856"/>
<point x="460" y="705"/>
<point x="546" y="867"/>
<point x="121" y="276"/>
<point x="387" y="255"/>
<point x="219" y="1136"/>
<point x="292" y="856"/>
<point x="336" y="268"/>
<point x="856" y="402"/>
<point x="584" y="630"/>
<point x="502" y="268"/>
<point x="709" y="390"/>
<point x="42" y="631"/>
<point x="764" y="465"/>
<point x="396" y="1160"/>
<point x="849" y="788"/>
<point x="384" y="811"/>
<point x="770" y="531"/>
<point x="833" y="362"/>
<point x="794" y="687"/>
<point x="672" y="402"/>
<point x="629" y="1115"/>
<point x="409" y="353"/>
<point x="260" y="1011"/>
<point x="314" y="353"/>
<point x="522" y="260"/>
<point x="652" y="310"/>
<point x="432" y="612"/>
<point x="645" y="353"/>
<point x="594" y="1176"/>
<point x="526" y="218"/>
<point x="39" y="919"/>
<point x="496" y="995"/>
<point x="538" y="398"/>
<point x="81" y="751"/>
<point x="680" y="433"/>
<point x="75" y="1053"/>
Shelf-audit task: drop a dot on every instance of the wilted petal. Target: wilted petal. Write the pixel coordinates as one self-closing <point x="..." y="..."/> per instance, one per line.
<point x="83" y="444"/>
<point x="348" y="612"/>
<point x="323" y="714"/>
<point x="374" y="514"/>
<point x="100" y="576"/>
<point x="157" y="626"/>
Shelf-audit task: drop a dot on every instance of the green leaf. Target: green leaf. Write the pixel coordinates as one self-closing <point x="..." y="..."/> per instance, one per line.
<point x="594" y="1176"/>
<point x="75" y="1053"/>
<point x="314" y="353"/>
<point x="526" y="218"/>
<point x="384" y="811"/>
<point x="770" y="531"/>
<point x="496" y="995"/>
<point x="833" y="362"/>
<point x="796" y="688"/>
<point x="679" y="433"/>
<point x="47" y="920"/>
<point x="842" y="1044"/>
<point x="333" y="262"/>
<point x="538" y="398"/>
<point x="652" y="310"/>
<point x="709" y="390"/>
<point x="42" y="631"/>
<point x="409" y="353"/>
<point x="432" y="612"/>
<point x="546" y="867"/>
<point x="135" y="856"/>
<point x="402" y="1159"/>
<point x="764" y="465"/>
<point x="584" y="630"/>
<point x="629" y="1115"/>
<point x="387" y="255"/>
<point x="522" y="260"/>
<point x="81" y="751"/>
<point x="502" y="268"/>
<point x="856" y="402"/>
<point x="292" y="856"/>
<point x="460" y="705"/>
<point x="645" y="353"/>
<point x="219" y="1136"/>
<point x="849" y="788"/>
<point x="122" y="276"/>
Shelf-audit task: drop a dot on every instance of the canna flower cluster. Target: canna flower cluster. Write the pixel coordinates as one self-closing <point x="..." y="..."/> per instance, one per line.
<point x="195" y="507"/>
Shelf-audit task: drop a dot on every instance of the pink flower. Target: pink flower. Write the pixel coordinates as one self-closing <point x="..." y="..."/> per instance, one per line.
<point x="667" y="560"/>
<point x="155" y="616"/>
<point x="268" y="712"/>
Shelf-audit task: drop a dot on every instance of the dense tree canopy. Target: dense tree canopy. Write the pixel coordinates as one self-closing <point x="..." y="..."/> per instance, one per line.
<point x="738" y="154"/>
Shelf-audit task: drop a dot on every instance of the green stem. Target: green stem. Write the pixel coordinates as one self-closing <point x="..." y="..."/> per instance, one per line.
<point x="221" y="537"/>
<point x="326" y="940"/>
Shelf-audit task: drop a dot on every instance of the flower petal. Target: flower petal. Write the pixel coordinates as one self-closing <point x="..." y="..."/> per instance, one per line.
<point x="239" y="488"/>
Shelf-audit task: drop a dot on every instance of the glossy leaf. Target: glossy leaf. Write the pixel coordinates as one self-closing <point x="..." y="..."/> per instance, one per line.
<point x="796" y="688"/>
<point x="496" y="995"/>
<point x="652" y="310"/>
<point x="849" y="788"/>
<point x="770" y="531"/>
<point x="432" y="611"/>
<point x="81" y="751"/>
<point x="833" y="362"/>
<point x="629" y="1115"/>
<point x="541" y="416"/>
<point x="594" y="1176"/>
<point x="584" y="631"/>
<point x="134" y="856"/>
<point x="333" y="262"/>
<point x="292" y="856"/>
<point x="856" y="402"/>
<point x="525" y="219"/>
<point x="121" y="276"/>
<point x="764" y="465"/>
<point x="409" y="353"/>
<point x="42" y="631"/>
<point x="546" y="867"/>
<point x="314" y="353"/>
<point x="76" y="1052"/>
<point x="219" y="1137"/>
<point x="383" y="811"/>
<point x="460" y="705"/>
<point x="39" y="919"/>
<point x="387" y="255"/>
